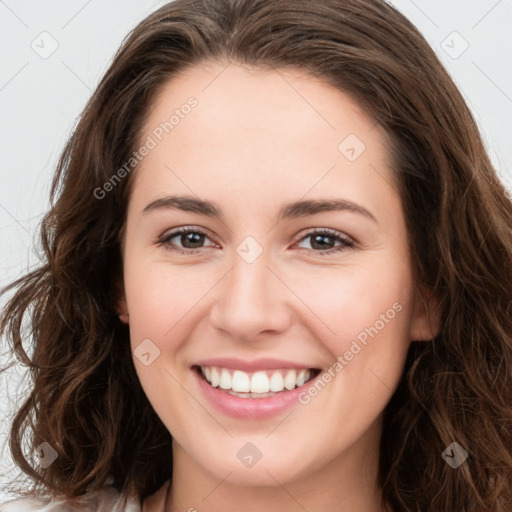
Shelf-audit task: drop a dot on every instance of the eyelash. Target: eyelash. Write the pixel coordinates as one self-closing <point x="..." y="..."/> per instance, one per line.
<point x="345" y="242"/>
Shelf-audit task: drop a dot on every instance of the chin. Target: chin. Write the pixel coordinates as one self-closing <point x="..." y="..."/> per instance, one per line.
<point x="270" y="470"/>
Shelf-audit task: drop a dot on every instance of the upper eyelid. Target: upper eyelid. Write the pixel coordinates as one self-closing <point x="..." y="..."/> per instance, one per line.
<point x="185" y="229"/>
<point x="303" y="234"/>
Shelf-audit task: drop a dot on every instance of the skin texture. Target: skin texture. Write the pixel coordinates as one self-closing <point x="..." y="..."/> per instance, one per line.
<point x="256" y="140"/>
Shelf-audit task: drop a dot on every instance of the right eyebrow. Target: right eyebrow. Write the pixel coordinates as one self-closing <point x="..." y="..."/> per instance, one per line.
<point x="186" y="204"/>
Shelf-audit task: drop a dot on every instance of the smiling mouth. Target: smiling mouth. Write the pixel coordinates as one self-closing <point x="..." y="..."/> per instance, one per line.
<point x="260" y="384"/>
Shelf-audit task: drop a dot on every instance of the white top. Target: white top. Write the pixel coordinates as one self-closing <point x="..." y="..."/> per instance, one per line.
<point x="106" y="499"/>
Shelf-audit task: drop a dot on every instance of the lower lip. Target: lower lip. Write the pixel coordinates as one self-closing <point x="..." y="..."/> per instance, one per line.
<point x="250" y="408"/>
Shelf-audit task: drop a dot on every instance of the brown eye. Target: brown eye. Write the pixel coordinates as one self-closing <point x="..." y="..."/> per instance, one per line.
<point x="191" y="240"/>
<point x="324" y="242"/>
<point x="187" y="240"/>
<point x="184" y="240"/>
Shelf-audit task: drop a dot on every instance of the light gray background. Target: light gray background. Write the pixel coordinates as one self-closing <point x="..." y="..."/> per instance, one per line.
<point x="40" y="99"/>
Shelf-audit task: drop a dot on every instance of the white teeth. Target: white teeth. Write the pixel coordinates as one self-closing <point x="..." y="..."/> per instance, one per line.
<point x="251" y="395"/>
<point x="276" y="382"/>
<point x="215" y="377"/>
<point x="256" y="385"/>
<point x="301" y="378"/>
<point x="260" y="383"/>
<point x="290" y="380"/>
<point x="240" y="382"/>
<point x="225" y="380"/>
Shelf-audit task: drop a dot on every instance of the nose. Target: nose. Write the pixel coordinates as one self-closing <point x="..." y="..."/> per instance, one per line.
<point x="251" y="301"/>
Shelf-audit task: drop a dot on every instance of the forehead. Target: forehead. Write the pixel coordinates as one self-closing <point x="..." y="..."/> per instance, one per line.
<point x="268" y="130"/>
<point x="230" y="95"/>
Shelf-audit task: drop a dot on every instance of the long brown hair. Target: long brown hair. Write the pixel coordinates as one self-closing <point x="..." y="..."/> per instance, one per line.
<point x="86" y="400"/>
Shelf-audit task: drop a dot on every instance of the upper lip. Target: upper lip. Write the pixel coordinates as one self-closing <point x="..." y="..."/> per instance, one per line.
<point x="251" y="366"/>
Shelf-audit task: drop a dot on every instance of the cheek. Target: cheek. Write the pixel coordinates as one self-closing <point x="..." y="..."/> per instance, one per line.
<point x="355" y="302"/>
<point x="160" y="296"/>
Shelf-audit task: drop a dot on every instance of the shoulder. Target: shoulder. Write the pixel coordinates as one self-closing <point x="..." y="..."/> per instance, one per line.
<point x="104" y="500"/>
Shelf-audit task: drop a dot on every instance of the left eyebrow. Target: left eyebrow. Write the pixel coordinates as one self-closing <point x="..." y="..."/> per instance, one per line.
<point x="288" y="211"/>
<point x="311" y="207"/>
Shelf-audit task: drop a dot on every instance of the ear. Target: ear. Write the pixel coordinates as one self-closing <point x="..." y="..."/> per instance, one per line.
<point x="122" y="311"/>
<point x="121" y="303"/>
<point x="426" y="320"/>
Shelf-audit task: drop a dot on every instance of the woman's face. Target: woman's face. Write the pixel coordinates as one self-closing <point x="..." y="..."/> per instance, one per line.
<point x="295" y="264"/>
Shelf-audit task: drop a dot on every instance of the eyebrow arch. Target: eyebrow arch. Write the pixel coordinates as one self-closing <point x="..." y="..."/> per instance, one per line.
<point x="288" y="211"/>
